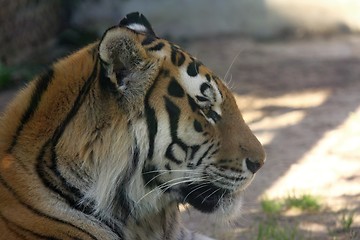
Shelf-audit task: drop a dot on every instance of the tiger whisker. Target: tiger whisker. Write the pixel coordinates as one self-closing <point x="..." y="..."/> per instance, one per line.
<point x="232" y="63"/>
<point x="190" y="180"/>
<point x="169" y="171"/>
<point x="155" y="189"/>
<point x="199" y="187"/>
<point x="210" y="195"/>
<point x="164" y="184"/>
<point x="209" y="189"/>
<point x="220" y="199"/>
<point x="164" y="172"/>
<point x="148" y="182"/>
<point x="202" y="185"/>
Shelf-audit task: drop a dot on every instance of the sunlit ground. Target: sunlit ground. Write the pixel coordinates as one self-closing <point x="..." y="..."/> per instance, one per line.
<point x="331" y="167"/>
<point x="329" y="170"/>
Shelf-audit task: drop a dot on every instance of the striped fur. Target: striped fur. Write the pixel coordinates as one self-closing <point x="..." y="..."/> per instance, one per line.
<point x="110" y="140"/>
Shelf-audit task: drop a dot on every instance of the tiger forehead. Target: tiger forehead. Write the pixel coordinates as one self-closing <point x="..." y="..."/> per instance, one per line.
<point x="197" y="80"/>
<point x="178" y="57"/>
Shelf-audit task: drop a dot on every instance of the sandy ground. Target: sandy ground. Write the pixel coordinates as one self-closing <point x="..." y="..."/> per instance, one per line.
<point x="301" y="98"/>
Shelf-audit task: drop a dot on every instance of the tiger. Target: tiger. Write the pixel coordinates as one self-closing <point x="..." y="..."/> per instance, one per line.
<point x="110" y="142"/>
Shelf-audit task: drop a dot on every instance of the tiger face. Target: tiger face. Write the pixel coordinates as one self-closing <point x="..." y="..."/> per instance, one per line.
<point x="199" y="149"/>
<point x="113" y="138"/>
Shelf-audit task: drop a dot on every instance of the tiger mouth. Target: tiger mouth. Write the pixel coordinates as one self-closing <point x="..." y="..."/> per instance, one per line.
<point x="205" y="197"/>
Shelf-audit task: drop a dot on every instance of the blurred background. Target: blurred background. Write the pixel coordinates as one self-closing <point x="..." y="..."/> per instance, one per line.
<point x="294" y="67"/>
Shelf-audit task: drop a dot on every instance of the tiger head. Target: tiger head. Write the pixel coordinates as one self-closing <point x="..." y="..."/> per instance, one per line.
<point x="188" y="141"/>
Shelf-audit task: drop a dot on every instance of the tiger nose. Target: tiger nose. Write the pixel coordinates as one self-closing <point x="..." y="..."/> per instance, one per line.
<point x="253" y="165"/>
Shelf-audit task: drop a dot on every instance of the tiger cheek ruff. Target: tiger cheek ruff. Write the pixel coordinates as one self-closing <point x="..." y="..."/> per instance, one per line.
<point x="111" y="139"/>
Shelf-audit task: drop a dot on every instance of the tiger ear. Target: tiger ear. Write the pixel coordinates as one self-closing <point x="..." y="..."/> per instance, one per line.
<point x="138" y="23"/>
<point x="124" y="60"/>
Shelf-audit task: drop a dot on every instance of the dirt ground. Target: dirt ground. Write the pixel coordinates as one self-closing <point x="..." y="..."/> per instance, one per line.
<point x="301" y="98"/>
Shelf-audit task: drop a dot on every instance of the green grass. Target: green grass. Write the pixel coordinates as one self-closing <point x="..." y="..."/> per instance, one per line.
<point x="271" y="207"/>
<point x="274" y="231"/>
<point x="344" y="227"/>
<point x="273" y="226"/>
<point x="346" y="221"/>
<point x="304" y="202"/>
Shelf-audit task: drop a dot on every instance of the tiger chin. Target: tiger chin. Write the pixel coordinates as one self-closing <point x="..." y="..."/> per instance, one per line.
<point x="110" y="140"/>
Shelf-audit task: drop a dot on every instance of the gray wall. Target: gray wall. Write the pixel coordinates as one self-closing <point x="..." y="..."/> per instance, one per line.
<point x="256" y="18"/>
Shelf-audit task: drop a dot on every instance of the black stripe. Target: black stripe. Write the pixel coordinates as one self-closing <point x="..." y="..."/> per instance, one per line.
<point x="202" y="99"/>
<point x="22" y="229"/>
<point x="208" y="77"/>
<point x="157" y="47"/>
<point x="204" y="87"/>
<point x="194" y="106"/>
<point x="175" y="89"/>
<point x="204" y="155"/>
<point x="198" y="126"/>
<point x="174" y="116"/>
<point x="217" y="80"/>
<point x="148" y="40"/>
<point x="167" y="166"/>
<point x="50" y="175"/>
<point x="213" y="115"/>
<point x="52" y="178"/>
<point x="41" y="86"/>
<point x="122" y="201"/>
<point x="105" y="82"/>
<point x="177" y="57"/>
<point x="10" y="228"/>
<point x="169" y="154"/>
<point x="214" y="152"/>
<point x="194" y="150"/>
<point x="151" y="120"/>
<point x="41" y="214"/>
<point x="193" y="68"/>
<point x="150" y="174"/>
<point x="78" y="102"/>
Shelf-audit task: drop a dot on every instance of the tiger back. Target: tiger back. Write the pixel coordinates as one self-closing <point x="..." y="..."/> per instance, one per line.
<point x="110" y="140"/>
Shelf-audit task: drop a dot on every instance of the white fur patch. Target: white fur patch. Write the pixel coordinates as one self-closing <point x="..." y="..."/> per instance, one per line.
<point x="193" y="84"/>
<point x="137" y="27"/>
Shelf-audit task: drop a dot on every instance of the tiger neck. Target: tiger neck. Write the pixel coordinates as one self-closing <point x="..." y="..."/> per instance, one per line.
<point x="163" y="224"/>
<point x="114" y="193"/>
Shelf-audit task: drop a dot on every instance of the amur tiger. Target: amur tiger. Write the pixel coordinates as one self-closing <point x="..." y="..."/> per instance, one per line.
<point x="110" y="140"/>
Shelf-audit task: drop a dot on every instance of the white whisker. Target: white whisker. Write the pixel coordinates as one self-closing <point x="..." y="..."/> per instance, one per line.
<point x="222" y="195"/>
<point x="154" y="178"/>
<point x="209" y="189"/>
<point x="190" y="180"/>
<point x="164" y="184"/>
<point x="169" y="171"/>
<point x="165" y="172"/>
<point x="210" y="195"/>
<point x="232" y="63"/>
<point x="197" y="188"/>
